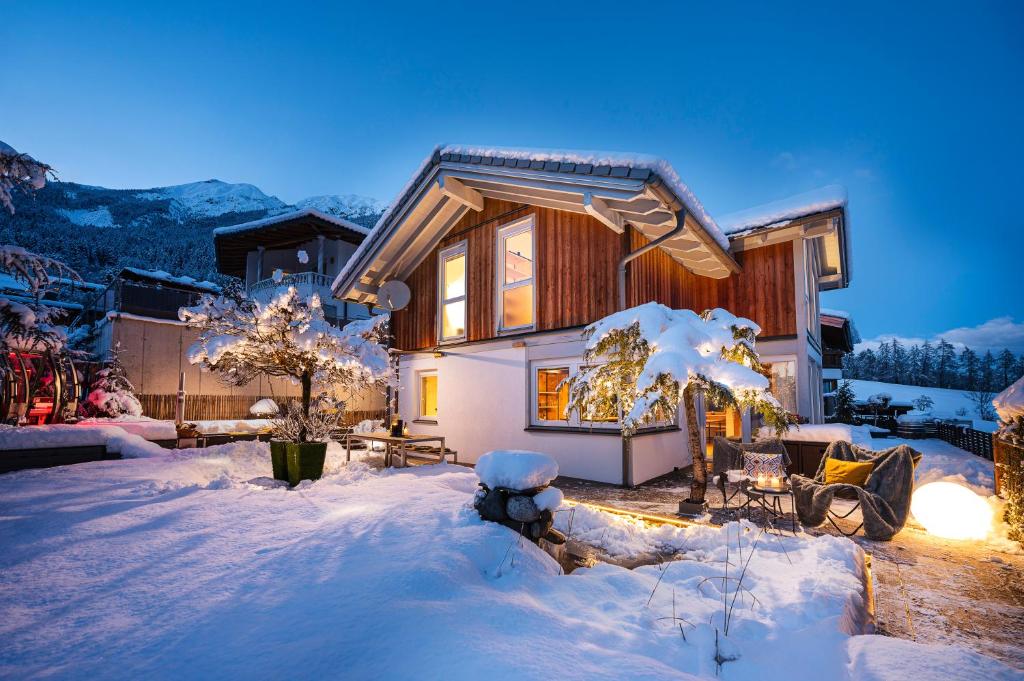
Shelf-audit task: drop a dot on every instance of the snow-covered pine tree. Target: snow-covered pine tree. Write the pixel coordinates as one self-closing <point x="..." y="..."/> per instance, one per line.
<point x="884" y="364"/>
<point x="945" y="364"/>
<point x="914" y="361"/>
<point x="868" y="365"/>
<point x="900" y="368"/>
<point x="970" y="370"/>
<point x="988" y="372"/>
<point x="1005" y="366"/>
<point x="645" y="361"/>
<point x="926" y="373"/>
<point x="287" y="337"/>
<point x="112" y="393"/>
<point x="19" y="172"/>
<point x="845" y="401"/>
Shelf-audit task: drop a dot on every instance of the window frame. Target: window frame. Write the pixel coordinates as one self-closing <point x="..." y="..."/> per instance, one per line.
<point x="525" y="224"/>
<point x="445" y="254"/>
<point x="420" y="375"/>
<point x="575" y="423"/>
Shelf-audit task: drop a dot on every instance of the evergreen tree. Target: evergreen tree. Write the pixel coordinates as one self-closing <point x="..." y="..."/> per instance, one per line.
<point x="884" y="366"/>
<point x="851" y="365"/>
<point x="988" y="372"/>
<point x="926" y="372"/>
<point x="970" y="370"/>
<point x="845" y="399"/>
<point x="112" y="394"/>
<point x="1005" y="371"/>
<point x="900" y="368"/>
<point x="1018" y="369"/>
<point x="915" y="359"/>
<point x="945" y="364"/>
<point x="868" y="365"/>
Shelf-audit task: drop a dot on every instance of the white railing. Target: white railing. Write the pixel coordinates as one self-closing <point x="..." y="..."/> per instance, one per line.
<point x="304" y="281"/>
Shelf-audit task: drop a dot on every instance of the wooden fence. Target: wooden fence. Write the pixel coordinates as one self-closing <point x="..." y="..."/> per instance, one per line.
<point x="218" y="407"/>
<point x="1009" y="460"/>
<point x="977" y="442"/>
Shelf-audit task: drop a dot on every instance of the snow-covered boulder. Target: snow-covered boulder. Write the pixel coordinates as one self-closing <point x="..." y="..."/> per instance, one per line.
<point x="516" y="469"/>
<point x="265" y="407"/>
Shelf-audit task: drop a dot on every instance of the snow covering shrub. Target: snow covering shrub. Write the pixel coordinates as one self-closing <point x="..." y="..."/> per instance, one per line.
<point x="924" y="403"/>
<point x="265" y="407"/>
<point x="112" y="394"/>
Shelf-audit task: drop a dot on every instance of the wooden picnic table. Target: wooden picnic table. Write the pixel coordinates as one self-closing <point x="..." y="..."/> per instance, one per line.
<point x="393" y="444"/>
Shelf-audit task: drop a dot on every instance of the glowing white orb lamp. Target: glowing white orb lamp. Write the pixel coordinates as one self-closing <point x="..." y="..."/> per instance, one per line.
<point x="951" y="511"/>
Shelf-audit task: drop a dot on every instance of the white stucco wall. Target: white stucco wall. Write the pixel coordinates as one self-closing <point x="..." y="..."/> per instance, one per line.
<point x="484" y="404"/>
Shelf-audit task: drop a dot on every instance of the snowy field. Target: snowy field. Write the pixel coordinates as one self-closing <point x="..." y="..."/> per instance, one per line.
<point x="947" y="402"/>
<point x="194" y="565"/>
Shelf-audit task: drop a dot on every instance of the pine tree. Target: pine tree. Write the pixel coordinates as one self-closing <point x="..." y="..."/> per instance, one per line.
<point x="988" y="372"/>
<point x="1018" y="369"/>
<point x="970" y="370"/>
<point x="884" y="366"/>
<point x="928" y="360"/>
<point x="915" y="359"/>
<point x="945" y="364"/>
<point x="845" y="402"/>
<point x="648" y="360"/>
<point x="1005" y="370"/>
<point x="112" y="394"/>
<point x="900" y="369"/>
<point x="851" y="365"/>
<point x="869" y="365"/>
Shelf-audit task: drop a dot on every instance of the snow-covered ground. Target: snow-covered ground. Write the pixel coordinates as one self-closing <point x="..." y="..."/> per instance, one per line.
<point x="193" y="564"/>
<point x="946" y="402"/>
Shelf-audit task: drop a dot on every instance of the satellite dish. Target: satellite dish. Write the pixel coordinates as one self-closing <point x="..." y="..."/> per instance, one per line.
<point x="393" y="295"/>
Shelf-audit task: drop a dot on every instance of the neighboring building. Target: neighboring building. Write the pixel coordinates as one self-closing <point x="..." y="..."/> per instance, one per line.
<point x="307" y="249"/>
<point x="509" y="254"/>
<point x="838" y="336"/>
<point x="139" y="310"/>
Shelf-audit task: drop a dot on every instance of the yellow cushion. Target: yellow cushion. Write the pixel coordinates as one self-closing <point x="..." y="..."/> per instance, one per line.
<point x="848" y="472"/>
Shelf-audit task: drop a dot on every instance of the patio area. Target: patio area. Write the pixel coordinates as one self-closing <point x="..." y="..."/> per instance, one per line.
<point x="927" y="589"/>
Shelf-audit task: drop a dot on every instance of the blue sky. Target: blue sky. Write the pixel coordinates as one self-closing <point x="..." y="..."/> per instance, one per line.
<point x="916" y="109"/>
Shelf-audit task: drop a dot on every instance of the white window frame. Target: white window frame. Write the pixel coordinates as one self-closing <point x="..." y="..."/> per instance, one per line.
<point x="573" y="364"/>
<point x="525" y="224"/>
<point x="447" y="254"/>
<point x="420" y="375"/>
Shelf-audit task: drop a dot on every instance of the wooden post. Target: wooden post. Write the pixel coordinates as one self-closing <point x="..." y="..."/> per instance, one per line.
<point x="179" y="405"/>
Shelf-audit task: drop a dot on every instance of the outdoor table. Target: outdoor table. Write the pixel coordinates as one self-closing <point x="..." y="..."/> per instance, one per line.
<point x="392" y="443"/>
<point x="755" y="492"/>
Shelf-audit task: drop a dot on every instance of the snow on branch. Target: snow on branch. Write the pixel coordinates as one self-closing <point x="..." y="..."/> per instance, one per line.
<point x="19" y="171"/>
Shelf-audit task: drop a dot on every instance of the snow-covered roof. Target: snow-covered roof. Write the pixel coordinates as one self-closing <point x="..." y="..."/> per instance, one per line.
<point x="285" y="217"/>
<point x="160" y="276"/>
<point x="778" y="212"/>
<point x="1009" y="404"/>
<point x="842" y="314"/>
<point x="615" y="188"/>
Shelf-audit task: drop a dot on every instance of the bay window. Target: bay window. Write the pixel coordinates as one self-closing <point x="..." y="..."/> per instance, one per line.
<point x="515" y="273"/>
<point x="452" y="293"/>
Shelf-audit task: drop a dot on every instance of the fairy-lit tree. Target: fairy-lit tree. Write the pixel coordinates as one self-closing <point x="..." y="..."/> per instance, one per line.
<point x="287" y="337"/>
<point x="112" y="393"/>
<point x="647" y="360"/>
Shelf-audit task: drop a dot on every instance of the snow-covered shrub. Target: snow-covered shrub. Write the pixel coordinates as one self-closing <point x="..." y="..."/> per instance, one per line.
<point x="924" y="403"/>
<point x="643" y="362"/>
<point x="288" y="337"/>
<point x="982" y="400"/>
<point x="31" y="324"/>
<point x="264" y="408"/>
<point x="112" y="394"/>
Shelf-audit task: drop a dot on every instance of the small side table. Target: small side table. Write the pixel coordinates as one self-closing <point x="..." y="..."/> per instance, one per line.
<point x="770" y="499"/>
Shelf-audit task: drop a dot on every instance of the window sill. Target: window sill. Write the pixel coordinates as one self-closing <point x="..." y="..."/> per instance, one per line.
<point x="599" y="431"/>
<point x="429" y="422"/>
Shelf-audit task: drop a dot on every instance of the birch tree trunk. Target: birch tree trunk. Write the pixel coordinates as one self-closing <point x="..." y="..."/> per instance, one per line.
<point x="699" y="487"/>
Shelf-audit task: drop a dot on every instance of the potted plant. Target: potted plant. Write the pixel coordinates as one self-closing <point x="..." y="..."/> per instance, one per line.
<point x="285" y="429"/>
<point x="306" y="449"/>
<point x="289" y="337"/>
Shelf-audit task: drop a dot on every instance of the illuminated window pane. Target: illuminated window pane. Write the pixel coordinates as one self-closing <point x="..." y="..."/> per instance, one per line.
<point x="552" y="400"/>
<point x="428" y="395"/>
<point x="519" y="257"/>
<point x="782" y="384"/>
<point x="455" y="277"/>
<point x="453" y="319"/>
<point x="517" y="306"/>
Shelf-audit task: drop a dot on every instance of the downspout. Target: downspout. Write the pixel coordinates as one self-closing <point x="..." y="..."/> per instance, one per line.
<point x="627" y="442"/>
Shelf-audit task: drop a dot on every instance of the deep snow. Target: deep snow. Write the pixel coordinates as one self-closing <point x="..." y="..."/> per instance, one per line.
<point x="194" y="565"/>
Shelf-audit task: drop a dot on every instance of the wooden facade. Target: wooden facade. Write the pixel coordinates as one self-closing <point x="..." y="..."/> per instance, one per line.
<point x="576" y="260"/>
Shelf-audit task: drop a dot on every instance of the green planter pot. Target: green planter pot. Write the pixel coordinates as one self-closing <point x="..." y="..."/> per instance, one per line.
<point x="306" y="461"/>
<point x="279" y="459"/>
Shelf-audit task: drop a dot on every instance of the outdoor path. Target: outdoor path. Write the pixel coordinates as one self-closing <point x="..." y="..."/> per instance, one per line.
<point x="927" y="589"/>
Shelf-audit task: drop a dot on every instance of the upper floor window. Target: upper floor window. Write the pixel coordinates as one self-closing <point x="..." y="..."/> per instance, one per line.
<point x="515" y="270"/>
<point x="452" y="292"/>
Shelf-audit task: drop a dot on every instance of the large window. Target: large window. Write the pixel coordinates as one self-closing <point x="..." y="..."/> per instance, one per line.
<point x="782" y="383"/>
<point x="428" y="395"/>
<point x="550" y="396"/>
<point x="515" y="273"/>
<point x="452" y="293"/>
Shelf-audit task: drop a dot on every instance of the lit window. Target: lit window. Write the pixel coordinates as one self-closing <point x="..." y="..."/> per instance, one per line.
<point x="428" y="395"/>
<point x="453" y="292"/>
<point x="782" y="383"/>
<point x="515" y="275"/>
<point x="552" y="395"/>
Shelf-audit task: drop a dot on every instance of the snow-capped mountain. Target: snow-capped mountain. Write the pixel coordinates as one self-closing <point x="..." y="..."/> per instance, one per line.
<point x="97" y="230"/>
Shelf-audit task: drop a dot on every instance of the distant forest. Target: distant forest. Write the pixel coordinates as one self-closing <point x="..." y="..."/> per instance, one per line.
<point x="935" y="365"/>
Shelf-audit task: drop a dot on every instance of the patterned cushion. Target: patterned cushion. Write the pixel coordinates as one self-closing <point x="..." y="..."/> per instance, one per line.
<point x="755" y="464"/>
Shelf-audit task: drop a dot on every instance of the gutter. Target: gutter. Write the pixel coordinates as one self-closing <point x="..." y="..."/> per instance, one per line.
<point x="633" y="255"/>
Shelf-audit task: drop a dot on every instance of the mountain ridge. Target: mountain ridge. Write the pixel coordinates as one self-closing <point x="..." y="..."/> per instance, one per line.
<point x="97" y="230"/>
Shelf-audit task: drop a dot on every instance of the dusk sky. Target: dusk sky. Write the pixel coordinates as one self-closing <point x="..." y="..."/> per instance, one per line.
<point x="915" y="109"/>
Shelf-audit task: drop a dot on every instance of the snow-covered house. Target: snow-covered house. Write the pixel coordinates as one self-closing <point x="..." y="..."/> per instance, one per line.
<point x="510" y="253"/>
<point x="304" y="248"/>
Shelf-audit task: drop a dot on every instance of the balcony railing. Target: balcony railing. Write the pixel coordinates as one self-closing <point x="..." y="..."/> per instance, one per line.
<point x="303" y="281"/>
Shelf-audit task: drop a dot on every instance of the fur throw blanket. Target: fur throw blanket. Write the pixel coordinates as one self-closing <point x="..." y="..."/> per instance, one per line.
<point x="884" y="499"/>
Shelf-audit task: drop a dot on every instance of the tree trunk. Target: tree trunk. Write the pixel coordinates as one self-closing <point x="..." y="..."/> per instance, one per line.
<point x="307" y="394"/>
<point x="699" y="487"/>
